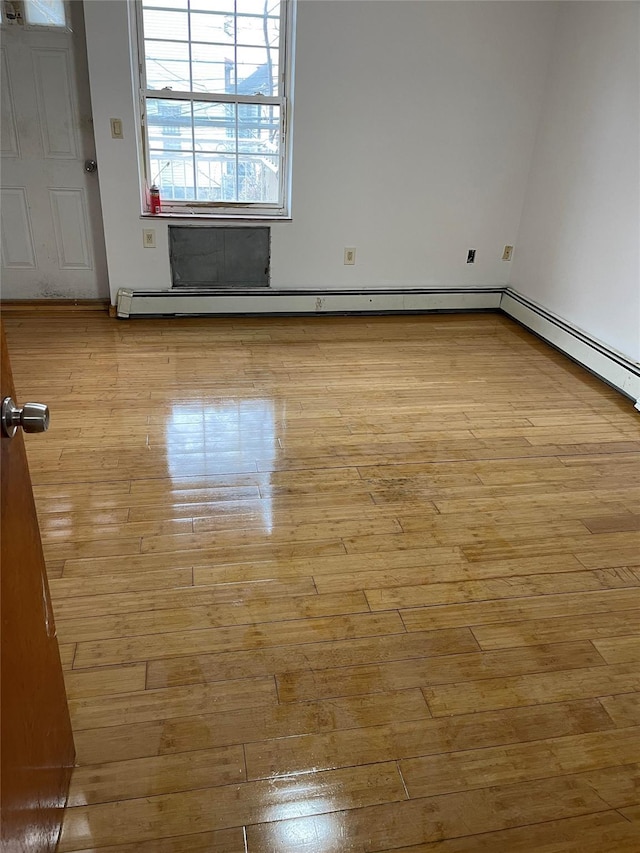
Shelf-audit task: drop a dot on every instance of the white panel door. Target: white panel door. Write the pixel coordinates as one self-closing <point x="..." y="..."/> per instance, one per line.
<point x="52" y="239"/>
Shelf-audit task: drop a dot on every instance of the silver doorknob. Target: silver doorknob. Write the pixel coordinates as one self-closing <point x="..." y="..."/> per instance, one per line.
<point x="32" y="417"/>
<point x="90" y="166"/>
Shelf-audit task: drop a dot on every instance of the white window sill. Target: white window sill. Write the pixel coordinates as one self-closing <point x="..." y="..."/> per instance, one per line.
<point x="233" y="217"/>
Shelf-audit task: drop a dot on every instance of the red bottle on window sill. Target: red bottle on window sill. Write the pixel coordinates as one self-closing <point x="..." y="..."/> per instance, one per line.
<point x="154" y="200"/>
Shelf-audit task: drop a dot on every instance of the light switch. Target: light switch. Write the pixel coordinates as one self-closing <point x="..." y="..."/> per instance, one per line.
<point x="116" y="128"/>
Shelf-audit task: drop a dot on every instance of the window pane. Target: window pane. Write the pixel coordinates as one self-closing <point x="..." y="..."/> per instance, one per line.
<point x="167" y="4"/>
<point x="218" y="29"/>
<point x="258" y="7"/>
<point x="246" y="179"/>
<point x="169" y="125"/>
<point x="257" y="31"/>
<point x="173" y="173"/>
<point x="257" y="71"/>
<point x="213" y="68"/>
<point x="170" y="26"/>
<point x="213" y="5"/>
<point x="167" y="65"/>
<point x="215" y="127"/>
<point x="258" y="179"/>
<point x="258" y="128"/>
<point x="45" y="13"/>
<point x="216" y="177"/>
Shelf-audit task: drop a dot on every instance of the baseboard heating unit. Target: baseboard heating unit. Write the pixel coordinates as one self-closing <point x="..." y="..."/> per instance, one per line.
<point x="251" y="301"/>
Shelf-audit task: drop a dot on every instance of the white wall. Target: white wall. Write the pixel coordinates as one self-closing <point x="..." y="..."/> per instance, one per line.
<point x="577" y="250"/>
<point x="414" y="127"/>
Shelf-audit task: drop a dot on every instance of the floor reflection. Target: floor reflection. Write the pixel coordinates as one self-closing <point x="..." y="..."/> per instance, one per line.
<point x="304" y="814"/>
<point x="323" y="833"/>
<point x="214" y="438"/>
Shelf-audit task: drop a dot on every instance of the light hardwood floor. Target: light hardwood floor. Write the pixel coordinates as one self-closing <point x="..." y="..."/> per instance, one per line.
<point x="336" y="585"/>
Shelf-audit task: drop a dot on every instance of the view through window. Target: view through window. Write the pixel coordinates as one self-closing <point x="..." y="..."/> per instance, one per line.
<point x="215" y="98"/>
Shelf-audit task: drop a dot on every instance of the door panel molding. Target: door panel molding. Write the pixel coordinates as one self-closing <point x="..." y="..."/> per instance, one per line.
<point x="69" y="212"/>
<point x="18" y="251"/>
<point x="52" y="76"/>
<point x="9" y="145"/>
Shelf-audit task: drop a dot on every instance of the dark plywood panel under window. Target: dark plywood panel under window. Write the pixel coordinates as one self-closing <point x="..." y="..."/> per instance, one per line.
<point x="219" y="257"/>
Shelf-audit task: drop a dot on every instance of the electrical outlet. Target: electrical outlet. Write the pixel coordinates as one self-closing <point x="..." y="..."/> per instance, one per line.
<point x="508" y="251"/>
<point x="349" y="257"/>
<point x="149" y="238"/>
<point x="116" y="128"/>
<point x="471" y="256"/>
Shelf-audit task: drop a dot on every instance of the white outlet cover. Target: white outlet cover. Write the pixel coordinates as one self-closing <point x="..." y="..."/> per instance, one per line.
<point x="149" y="238"/>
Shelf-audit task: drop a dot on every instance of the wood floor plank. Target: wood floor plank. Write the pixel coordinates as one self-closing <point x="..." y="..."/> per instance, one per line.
<point x="590" y="626"/>
<point x="626" y="554"/>
<point x="93" y="532"/>
<point x="617" y="524"/>
<point x="69" y="520"/>
<point x="267" y="545"/>
<point x="134" y="563"/>
<point x="174" y="619"/>
<point x="619" y="649"/>
<point x="228" y="806"/>
<point x="521" y="762"/>
<point x="422" y="737"/>
<point x="245" y="725"/>
<point x="341" y="563"/>
<point x="619" y="786"/>
<point x="330" y="530"/>
<point x="534" y="688"/>
<point x="234" y="514"/>
<point x="497" y="588"/>
<point x="592" y="833"/>
<point x="184" y="597"/>
<point x="222" y="841"/>
<point x="98" y="712"/>
<point x="105" y="681"/>
<point x="400" y="675"/>
<point x="489" y="612"/>
<point x="570" y="532"/>
<point x="418" y="821"/>
<point x="235" y="638"/>
<point x="106" y="584"/>
<point x="148" y="777"/>
<point x="621" y="549"/>
<point x="624" y="709"/>
<point x="70" y="549"/>
<point x="426" y="572"/>
<point x="243" y="664"/>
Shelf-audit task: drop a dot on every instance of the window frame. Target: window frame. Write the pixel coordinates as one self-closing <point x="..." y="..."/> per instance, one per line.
<point x="220" y="209"/>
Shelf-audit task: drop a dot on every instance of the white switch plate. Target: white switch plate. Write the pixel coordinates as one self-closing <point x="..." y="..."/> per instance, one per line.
<point x="508" y="252"/>
<point x="349" y="256"/>
<point x="116" y="128"/>
<point x="149" y="238"/>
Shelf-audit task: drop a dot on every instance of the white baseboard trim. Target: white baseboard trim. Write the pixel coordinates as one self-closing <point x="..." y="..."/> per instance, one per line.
<point x="131" y="303"/>
<point x="597" y="357"/>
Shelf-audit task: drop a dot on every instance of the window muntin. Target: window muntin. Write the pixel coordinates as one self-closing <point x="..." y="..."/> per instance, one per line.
<point x="214" y="102"/>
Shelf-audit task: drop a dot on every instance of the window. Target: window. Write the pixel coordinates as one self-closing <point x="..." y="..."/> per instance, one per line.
<point x="215" y="104"/>
<point x="45" y="13"/>
<point x="35" y="13"/>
